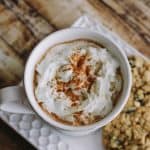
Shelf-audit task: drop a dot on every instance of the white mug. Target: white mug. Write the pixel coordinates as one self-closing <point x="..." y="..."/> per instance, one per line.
<point x="13" y="98"/>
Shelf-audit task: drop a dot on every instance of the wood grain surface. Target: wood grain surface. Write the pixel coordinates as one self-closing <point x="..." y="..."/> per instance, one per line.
<point x="23" y="23"/>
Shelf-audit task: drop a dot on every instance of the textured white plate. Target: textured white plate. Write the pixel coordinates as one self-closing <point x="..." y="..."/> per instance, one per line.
<point x="43" y="136"/>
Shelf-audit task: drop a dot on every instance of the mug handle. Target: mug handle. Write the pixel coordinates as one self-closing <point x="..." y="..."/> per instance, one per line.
<point x="13" y="99"/>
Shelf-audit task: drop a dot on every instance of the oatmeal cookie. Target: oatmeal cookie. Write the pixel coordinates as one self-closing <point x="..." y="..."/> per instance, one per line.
<point x="131" y="129"/>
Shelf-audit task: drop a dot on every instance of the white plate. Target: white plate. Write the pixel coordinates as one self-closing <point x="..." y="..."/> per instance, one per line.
<point x="44" y="137"/>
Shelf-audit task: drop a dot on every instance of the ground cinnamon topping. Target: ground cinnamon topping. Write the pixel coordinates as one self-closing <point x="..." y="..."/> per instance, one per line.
<point x="82" y="78"/>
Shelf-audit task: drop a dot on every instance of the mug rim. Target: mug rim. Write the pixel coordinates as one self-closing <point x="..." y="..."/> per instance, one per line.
<point x="109" y="117"/>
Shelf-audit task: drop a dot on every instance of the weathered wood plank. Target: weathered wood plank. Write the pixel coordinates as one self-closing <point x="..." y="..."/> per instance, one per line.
<point x="14" y="32"/>
<point x="21" y="27"/>
<point x="119" y="25"/>
<point x="35" y="23"/>
<point x="60" y="14"/>
<point x="135" y="13"/>
<point x="146" y="2"/>
<point x="11" y="65"/>
<point x="57" y="12"/>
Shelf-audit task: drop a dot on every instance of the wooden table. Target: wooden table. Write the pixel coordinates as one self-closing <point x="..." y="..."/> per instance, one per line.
<point x="23" y="23"/>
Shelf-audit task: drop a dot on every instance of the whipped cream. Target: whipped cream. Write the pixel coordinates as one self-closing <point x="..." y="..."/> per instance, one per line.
<point x="66" y="88"/>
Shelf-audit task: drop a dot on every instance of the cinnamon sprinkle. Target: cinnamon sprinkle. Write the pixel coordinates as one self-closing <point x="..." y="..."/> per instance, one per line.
<point x="79" y="69"/>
